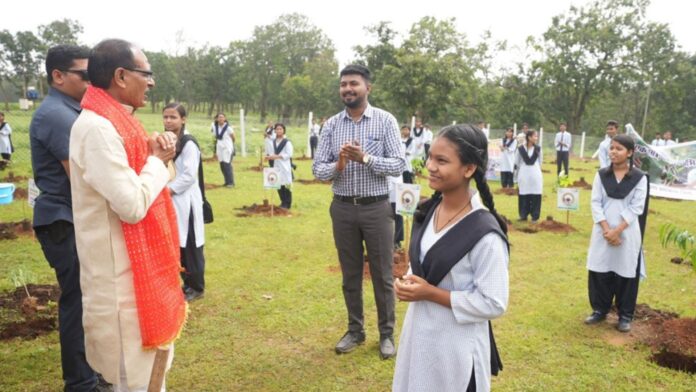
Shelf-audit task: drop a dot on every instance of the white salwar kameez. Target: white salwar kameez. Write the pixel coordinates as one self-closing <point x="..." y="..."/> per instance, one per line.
<point x="603" y="153"/>
<point x="283" y="164"/>
<point x="622" y="259"/>
<point x="5" y="145"/>
<point x="507" y="158"/>
<point x="224" y="147"/>
<point x="410" y="151"/>
<point x="438" y="345"/>
<point x="530" y="181"/>
<point x="186" y="194"/>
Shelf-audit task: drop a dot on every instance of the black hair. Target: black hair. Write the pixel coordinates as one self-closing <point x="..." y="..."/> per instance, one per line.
<point x="61" y="57"/>
<point x="179" y="108"/>
<point x="108" y="55"/>
<point x="2" y="114"/>
<point x="280" y="125"/>
<point x="613" y="123"/>
<point x="472" y="146"/>
<point x="529" y="134"/>
<point x="357" y="69"/>
<point x="218" y="115"/>
<point x="405" y="126"/>
<point x="627" y="142"/>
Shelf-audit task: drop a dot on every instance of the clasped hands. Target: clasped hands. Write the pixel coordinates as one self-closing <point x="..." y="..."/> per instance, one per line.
<point x="350" y="151"/>
<point x="612" y="236"/>
<point x="163" y="146"/>
<point x="411" y="288"/>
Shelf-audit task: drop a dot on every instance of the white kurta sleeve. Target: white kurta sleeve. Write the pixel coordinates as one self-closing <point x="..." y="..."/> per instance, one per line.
<point x="636" y="205"/>
<point x="106" y="170"/>
<point x="597" y="200"/>
<point x="188" y="176"/>
<point x="286" y="154"/>
<point x="488" y="297"/>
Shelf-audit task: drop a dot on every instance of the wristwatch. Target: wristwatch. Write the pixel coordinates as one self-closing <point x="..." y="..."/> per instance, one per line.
<point x="366" y="159"/>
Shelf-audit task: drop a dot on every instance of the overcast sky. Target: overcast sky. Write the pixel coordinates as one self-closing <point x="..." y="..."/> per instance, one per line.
<point x="153" y="24"/>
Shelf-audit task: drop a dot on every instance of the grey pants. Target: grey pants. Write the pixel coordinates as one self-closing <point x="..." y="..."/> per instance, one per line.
<point x="372" y="224"/>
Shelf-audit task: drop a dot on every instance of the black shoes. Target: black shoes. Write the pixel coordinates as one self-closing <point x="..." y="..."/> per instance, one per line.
<point x="191" y="295"/>
<point x="386" y="347"/>
<point x="624" y="325"/>
<point x="349" y="342"/>
<point x="595" y="318"/>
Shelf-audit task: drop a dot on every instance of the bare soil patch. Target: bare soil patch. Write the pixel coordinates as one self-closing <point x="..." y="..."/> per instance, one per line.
<point x="506" y="191"/>
<point x="12" y="178"/>
<point x="31" y="316"/>
<point x="581" y="183"/>
<point x="11" y="230"/>
<point x="263" y="209"/>
<point x="312" y="181"/>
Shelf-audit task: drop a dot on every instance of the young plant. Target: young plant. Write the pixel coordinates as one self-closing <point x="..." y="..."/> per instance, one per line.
<point x="685" y="241"/>
<point x="564" y="181"/>
<point x="20" y="278"/>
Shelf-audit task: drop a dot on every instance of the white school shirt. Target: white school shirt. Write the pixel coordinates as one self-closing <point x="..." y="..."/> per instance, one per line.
<point x="225" y="147"/>
<point x="563" y="137"/>
<point x="622" y="259"/>
<point x="603" y="153"/>
<point x="186" y="194"/>
<point x="5" y="146"/>
<point x="669" y="142"/>
<point x="530" y="180"/>
<point x="419" y="142"/>
<point x="439" y="346"/>
<point x="283" y="164"/>
<point x="507" y="158"/>
<point x="410" y="153"/>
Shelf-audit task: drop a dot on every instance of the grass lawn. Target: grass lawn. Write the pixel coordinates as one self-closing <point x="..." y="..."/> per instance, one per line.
<point x="273" y="308"/>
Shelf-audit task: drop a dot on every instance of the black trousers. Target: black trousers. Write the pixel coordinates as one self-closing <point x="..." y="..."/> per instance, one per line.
<point x="562" y="158"/>
<point x="6" y="156"/>
<point x="529" y="204"/>
<point x="193" y="261"/>
<point x="285" y="195"/>
<point x="408" y="177"/>
<point x="354" y="228"/>
<point x="472" y="382"/>
<point x="313" y="142"/>
<point x="607" y="287"/>
<point x="58" y="244"/>
<point x="506" y="179"/>
<point x="227" y="172"/>
<point x="398" y="225"/>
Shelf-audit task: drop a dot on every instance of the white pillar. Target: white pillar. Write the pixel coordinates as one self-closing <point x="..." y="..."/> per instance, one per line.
<point x="514" y="127"/>
<point x="413" y="122"/>
<point x="582" y="145"/>
<point x="309" y="131"/>
<point x="541" y="137"/>
<point x="243" y="128"/>
<point x="454" y="122"/>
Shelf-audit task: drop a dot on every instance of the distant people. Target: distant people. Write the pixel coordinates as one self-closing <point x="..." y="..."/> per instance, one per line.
<point x="419" y="137"/>
<point x="359" y="148"/>
<point x="615" y="258"/>
<point x="224" y="147"/>
<point x="459" y="273"/>
<point x="188" y="201"/>
<point x="562" y="143"/>
<point x="6" y="147"/>
<point x="427" y="140"/>
<point x="125" y="222"/>
<point x="667" y="135"/>
<point x="508" y="147"/>
<point x="314" y="137"/>
<point x="281" y="159"/>
<point x="398" y="219"/>
<point x="482" y="126"/>
<point x="410" y="149"/>
<point x="269" y="132"/>
<point x="603" y="154"/>
<point x="530" y="180"/>
<point x="49" y="138"/>
<point x="658" y="141"/>
<point x="522" y="134"/>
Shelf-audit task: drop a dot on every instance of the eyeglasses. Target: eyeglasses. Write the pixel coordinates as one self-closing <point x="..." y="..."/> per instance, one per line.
<point x="148" y="74"/>
<point x="81" y="72"/>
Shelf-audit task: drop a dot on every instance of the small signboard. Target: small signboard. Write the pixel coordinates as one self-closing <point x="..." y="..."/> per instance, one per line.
<point x="407" y="197"/>
<point x="32" y="192"/>
<point x="271" y="178"/>
<point x="568" y="199"/>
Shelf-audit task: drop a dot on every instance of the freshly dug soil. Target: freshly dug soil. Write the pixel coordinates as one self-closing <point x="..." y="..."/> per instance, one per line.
<point x="10" y="230"/>
<point x="555" y="226"/>
<point x="674" y="344"/>
<point x="313" y="181"/>
<point x="582" y="184"/>
<point x="399" y="266"/>
<point x="256" y="168"/>
<point x="39" y="319"/>
<point x="263" y="209"/>
<point x="20" y="193"/>
<point x="506" y="191"/>
<point x="12" y="178"/>
<point x="29" y="329"/>
<point x="212" y="186"/>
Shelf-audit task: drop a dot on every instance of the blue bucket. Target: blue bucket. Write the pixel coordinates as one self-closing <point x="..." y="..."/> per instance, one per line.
<point x="6" y="192"/>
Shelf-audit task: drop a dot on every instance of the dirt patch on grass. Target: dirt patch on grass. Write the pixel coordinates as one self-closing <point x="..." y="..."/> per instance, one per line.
<point x="212" y="186"/>
<point x="21" y="193"/>
<point x="506" y="191"/>
<point x="399" y="266"/>
<point x="554" y="226"/>
<point x="303" y="158"/>
<point x="12" y="178"/>
<point x="256" y="168"/>
<point x="33" y="315"/>
<point x="581" y="183"/>
<point x="11" y="230"/>
<point x="263" y="209"/>
<point x="313" y="181"/>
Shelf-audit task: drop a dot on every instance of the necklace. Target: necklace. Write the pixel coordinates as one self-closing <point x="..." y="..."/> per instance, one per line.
<point x="437" y="215"/>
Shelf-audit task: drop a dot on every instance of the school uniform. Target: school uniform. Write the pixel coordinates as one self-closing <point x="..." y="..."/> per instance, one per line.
<point x="603" y="153"/>
<point x="314" y="139"/>
<point x="6" y="147"/>
<point x="563" y="143"/>
<point x="398" y="219"/>
<point x="530" y="181"/>
<point x="188" y="203"/>
<point x="427" y="140"/>
<point x="410" y="148"/>
<point x="507" y="161"/>
<point x="283" y="147"/>
<point x="452" y="349"/>
<point x="224" y="149"/>
<point x="614" y="270"/>
<point x="419" y="138"/>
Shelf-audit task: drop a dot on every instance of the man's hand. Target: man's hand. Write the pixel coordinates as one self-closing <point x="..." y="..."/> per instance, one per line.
<point x="163" y="146"/>
<point x="353" y="152"/>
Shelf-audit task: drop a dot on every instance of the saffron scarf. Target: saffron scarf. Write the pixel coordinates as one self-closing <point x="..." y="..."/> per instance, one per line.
<point x="152" y="243"/>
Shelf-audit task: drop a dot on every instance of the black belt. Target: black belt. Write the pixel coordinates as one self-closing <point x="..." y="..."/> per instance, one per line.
<point x="360" y="200"/>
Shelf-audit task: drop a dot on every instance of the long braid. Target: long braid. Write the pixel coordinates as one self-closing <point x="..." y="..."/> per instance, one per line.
<point x="487" y="197"/>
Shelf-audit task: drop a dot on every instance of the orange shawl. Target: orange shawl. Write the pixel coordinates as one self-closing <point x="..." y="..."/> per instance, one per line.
<point x="152" y="243"/>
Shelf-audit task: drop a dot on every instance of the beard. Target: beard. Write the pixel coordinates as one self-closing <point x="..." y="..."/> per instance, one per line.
<point x="355" y="103"/>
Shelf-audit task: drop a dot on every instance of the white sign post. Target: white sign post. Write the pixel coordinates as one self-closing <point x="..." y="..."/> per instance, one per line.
<point x="568" y="199"/>
<point x="243" y="129"/>
<point x="33" y="192"/>
<point x="271" y="180"/>
<point x="407" y="197"/>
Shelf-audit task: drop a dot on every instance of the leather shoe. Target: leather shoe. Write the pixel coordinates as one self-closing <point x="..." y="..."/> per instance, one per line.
<point x="595" y="318"/>
<point x="386" y="347"/>
<point x="349" y="342"/>
<point x="193" y="295"/>
<point x="624" y="325"/>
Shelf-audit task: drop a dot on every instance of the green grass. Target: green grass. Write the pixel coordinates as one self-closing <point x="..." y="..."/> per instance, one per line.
<point x="236" y="340"/>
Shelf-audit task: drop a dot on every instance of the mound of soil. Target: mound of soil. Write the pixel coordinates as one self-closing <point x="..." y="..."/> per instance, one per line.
<point x="301" y="158"/>
<point x="582" y="184"/>
<point x="20" y="193"/>
<point x="263" y="209"/>
<point x="554" y="226"/>
<point x="39" y="319"/>
<point x="10" y="230"/>
<point x="506" y="191"/>
<point x="256" y="168"/>
<point x="3" y="164"/>
<point x="313" y="181"/>
<point x="674" y="343"/>
<point x="399" y="266"/>
<point x="12" y="178"/>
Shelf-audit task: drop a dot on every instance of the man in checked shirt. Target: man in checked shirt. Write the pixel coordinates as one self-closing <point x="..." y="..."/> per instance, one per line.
<point x="359" y="148"/>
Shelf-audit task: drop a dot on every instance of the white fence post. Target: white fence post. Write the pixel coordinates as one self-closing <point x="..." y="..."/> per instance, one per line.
<point x="243" y="127"/>
<point x="309" y="131"/>
<point x="413" y="122"/>
<point x="582" y="145"/>
<point x="514" y="127"/>
<point x="541" y="137"/>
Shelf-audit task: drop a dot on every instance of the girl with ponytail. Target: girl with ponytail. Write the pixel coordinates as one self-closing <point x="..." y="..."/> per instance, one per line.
<point x="458" y="280"/>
